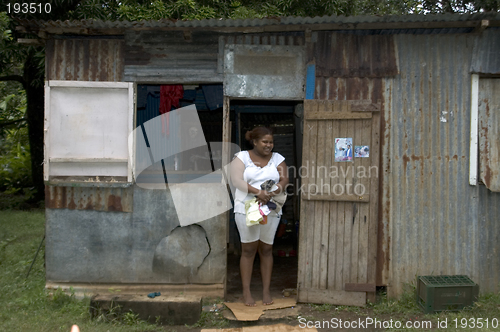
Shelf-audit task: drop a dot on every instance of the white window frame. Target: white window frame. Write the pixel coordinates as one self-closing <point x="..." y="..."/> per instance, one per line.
<point x="474" y="131"/>
<point x="48" y="159"/>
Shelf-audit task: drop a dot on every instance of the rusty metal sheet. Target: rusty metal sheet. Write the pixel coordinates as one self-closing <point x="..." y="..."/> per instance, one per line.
<point x="487" y="242"/>
<point x="486" y="50"/>
<point x="489" y="132"/>
<point x="290" y="38"/>
<point x="356" y="88"/>
<point x="88" y="246"/>
<point x="264" y="72"/>
<point x="172" y="57"/>
<point x="85" y="59"/>
<point x="350" y="55"/>
<point x="89" y="198"/>
<point x="433" y="221"/>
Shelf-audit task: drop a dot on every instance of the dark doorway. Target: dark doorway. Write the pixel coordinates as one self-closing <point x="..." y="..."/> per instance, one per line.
<point x="282" y="116"/>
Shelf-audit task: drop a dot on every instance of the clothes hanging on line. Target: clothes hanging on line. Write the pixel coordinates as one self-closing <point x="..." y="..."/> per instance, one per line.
<point x="169" y="97"/>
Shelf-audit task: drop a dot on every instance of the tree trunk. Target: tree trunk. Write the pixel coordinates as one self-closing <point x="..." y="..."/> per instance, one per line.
<point x="35" y="117"/>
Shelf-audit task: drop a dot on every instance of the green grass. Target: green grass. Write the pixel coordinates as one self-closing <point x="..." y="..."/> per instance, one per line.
<point x="26" y="306"/>
<point x="405" y="309"/>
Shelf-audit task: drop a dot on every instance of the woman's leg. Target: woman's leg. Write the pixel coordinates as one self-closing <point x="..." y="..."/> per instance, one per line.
<point x="266" y="269"/>
<point x="248" y="251"/>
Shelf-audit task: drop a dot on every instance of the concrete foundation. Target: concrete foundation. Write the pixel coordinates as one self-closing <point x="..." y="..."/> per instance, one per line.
<point x="168" y="310"/>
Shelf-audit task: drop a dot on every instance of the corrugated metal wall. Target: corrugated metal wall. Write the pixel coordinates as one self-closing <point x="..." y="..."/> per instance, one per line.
<point x="85" y="59"/>
<point x="434" y="222"/>
<point x="171" y="57"/>
<point x="486" y="48"/>
<point x="489" y="132"/>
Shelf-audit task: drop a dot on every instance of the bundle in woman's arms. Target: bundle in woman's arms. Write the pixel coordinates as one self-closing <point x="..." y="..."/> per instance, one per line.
<point x="276" y="203"/>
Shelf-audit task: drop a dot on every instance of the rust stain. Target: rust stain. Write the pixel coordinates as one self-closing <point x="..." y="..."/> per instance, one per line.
<point x="85" y="60"/>
<point x="406" y="159"/>
<point x="89" y="205"/>
<point x="383" y="236"/>
<point x="72" y="204"/>
<point x="342" y="55"/>
<point x="486" y="175"/>
<point x="98" y="202"/>
<point x="114" y="203"/>
<point x="88" y="198"/>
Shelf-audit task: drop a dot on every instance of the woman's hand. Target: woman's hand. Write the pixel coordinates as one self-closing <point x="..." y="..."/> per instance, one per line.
<point x="263" y="197"/>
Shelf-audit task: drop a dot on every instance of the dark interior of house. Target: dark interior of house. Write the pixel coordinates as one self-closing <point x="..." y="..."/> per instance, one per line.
<point x="244" y="115"/>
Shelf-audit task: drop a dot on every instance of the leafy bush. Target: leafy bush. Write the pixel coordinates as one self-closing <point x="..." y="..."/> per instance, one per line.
<point x="16" y="184"/>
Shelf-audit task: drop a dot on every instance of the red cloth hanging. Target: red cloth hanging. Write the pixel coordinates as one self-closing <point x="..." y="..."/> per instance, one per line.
<point x="169" y="96"/>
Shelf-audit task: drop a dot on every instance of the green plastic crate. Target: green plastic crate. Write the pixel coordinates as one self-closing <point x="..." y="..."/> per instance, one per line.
<point x="440" y="293"/>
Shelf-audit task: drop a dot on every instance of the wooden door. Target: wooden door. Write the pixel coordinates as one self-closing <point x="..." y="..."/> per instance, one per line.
<point x="338" y="217"/>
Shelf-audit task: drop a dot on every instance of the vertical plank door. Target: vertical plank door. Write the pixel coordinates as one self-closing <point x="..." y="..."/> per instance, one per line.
<point x="338" y="218"/>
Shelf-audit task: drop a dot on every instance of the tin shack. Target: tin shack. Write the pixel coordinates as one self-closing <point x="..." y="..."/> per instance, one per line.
<point x="389" y="126"/>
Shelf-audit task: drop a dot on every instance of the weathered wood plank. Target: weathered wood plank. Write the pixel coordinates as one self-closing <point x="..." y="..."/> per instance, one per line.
<point x="325" y="229"/>
<point x="318" y="215"/>
<point x="357" y="138"/>
<point x="332" y="245"/>
<point x="314" y="196"/>
<point x="332" y="297"/>
<point x="355" y="220"/>
<point x="320" y="174"/>
<point x="310" y="243"/>
<point x="364" y="213"/>
<point x="364" y="106"/>
<point x="355" y="287"/>
<point x="303" y="232"/>
<point x="316" y="236"/>
<point x="339" y="248"/>
<point x="306" y="224"/>
<point x="333" y="108"/>
<point x="364" y="221"/>
<point x="322" y="208"/>
<point x="374" y="192"/>
<point x="337" y="116"/>
<point x="347" y="258"/>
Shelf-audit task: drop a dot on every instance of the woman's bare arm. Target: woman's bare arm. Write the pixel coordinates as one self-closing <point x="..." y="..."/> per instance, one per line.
<point x="283" y="171"/>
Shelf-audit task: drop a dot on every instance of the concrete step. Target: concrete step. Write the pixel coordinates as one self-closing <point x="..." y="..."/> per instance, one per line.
<point x="81" y="290"/>
<point x="163" y="309"/>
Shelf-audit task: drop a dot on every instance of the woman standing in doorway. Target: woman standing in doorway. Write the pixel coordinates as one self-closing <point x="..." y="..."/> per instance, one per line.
<point x="249" y="170"/>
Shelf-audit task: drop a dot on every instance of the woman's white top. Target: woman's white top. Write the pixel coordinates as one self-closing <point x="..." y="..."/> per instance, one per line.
<point x="255" y="176"/>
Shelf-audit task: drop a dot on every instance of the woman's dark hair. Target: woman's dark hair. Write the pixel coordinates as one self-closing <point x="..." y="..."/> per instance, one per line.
<point x="257" y="133"/>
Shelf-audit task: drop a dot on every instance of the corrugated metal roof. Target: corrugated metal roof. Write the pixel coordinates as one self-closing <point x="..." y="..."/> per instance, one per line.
<point x="277" y="21"/>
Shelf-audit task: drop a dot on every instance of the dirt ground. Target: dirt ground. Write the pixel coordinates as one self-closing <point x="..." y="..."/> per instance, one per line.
<point x="324" y="318"/>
